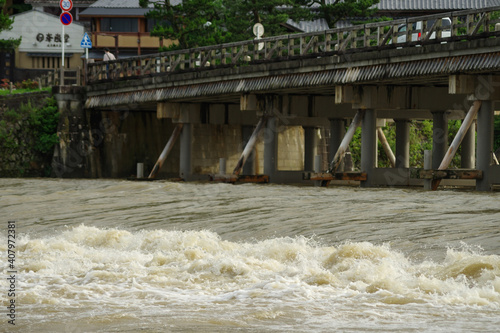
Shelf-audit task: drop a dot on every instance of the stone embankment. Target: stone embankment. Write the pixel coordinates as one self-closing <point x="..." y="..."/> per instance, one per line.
<point x="18" y="156"/>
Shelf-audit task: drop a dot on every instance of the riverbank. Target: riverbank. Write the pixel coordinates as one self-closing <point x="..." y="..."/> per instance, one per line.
<point x="28" y="132"/>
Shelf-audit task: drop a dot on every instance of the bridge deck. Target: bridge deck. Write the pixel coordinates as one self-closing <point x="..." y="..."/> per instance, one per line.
<point x="300" y="63"/>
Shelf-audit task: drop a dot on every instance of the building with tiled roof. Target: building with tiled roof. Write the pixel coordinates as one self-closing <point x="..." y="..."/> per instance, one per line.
<point x="52" y="6"/>
<point x="400" y="9"/>
<point x="434" y="5"/>
<point x="120" y="25"/>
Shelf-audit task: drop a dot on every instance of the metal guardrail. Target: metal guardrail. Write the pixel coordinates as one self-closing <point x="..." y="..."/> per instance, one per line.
<point x="463" y="25"/>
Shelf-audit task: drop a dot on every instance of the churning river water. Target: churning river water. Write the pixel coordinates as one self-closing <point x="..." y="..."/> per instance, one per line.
<point x="121" y="256"/>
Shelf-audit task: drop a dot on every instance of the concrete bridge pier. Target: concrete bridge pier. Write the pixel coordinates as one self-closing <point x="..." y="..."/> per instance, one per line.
<point x="402" y="143"/>
<point x="484" y="89"/>
<point x="485" y="120"/>
<point x="72" y="155"/>
<point x="186" y="114"/>
<point x="439" y="137"/>
<point x="269" y="106"/>
<point x="186" y="138"/>
<point x="468" y="155"/>
<point x="310" y="147"/>
<point x="271" y="148"/>
<point x="369" y="146"/>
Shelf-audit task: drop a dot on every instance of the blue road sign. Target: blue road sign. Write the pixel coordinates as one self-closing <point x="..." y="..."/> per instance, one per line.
<point x="86" y="42"/>
<point x="66" y="18"/>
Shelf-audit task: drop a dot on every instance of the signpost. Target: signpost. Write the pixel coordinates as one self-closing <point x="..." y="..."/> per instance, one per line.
<point x="66" y="19"/>
<point x="86" y="44"/>
<point x="66" y="5"/>
<point x="258" y="31"/>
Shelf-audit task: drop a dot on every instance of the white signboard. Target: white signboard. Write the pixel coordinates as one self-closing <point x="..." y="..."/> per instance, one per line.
<point x="41" y="32"/>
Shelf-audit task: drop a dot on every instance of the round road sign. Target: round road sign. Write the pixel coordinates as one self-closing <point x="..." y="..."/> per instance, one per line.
<point x="66" y="18"/>
<point x="258" y="30"/>
<point x="66" y="5"/>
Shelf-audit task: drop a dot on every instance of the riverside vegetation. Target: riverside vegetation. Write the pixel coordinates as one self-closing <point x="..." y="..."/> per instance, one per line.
<point x="28" y="134"/>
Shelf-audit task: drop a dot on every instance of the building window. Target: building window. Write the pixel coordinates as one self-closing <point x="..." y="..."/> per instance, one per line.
<point x="152" y="22"/>
<point x="119" y="24"/>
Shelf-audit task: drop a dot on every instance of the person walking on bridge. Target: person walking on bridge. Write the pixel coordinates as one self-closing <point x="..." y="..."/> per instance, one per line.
<point x="108" y="56"/>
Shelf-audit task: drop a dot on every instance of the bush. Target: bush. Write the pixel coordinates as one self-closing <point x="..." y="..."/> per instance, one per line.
<point x="27" y="84"/>
<point x="44" y="122"/>
<point x="27" y="139"/>
<point x="5" y="84"/>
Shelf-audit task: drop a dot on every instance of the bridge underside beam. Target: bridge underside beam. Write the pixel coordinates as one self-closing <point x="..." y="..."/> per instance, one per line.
<point x="478" y="87"/>
<point x="398" y="98"/>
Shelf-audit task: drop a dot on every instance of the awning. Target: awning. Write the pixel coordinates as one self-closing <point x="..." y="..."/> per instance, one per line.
<point x="99" y="53"/>
<point x="54" y="55"/>
<point x="121" y="12"/>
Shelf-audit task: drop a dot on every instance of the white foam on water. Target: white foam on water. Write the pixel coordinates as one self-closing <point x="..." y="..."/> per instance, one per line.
<point x="106" y="275"/>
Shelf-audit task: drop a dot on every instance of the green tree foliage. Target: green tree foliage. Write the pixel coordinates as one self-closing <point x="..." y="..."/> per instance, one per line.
<point x="335" y="10"/>
<point x="242" y="15"/>
<point x="7" y="45"/>
<point x="191" y="23"/>
<point x="194" y="23"/>
<point x="44" y="123"/>
<point x="18" y="6"/>
<point x="27" y="138"/>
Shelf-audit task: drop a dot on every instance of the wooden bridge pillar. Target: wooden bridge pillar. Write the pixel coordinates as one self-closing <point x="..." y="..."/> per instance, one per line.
<point x="439" y="137"/>
<point x="369" y="146"/>
<point x="186" y="139"/>
<point x="310" y="143"/>
<point x="402" y="143"/>
<point x="468" y="156"/>
<point x="485" y="119"/>
<point x="271" y="147"/>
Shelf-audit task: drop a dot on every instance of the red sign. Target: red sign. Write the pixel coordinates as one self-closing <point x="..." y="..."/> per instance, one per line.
<point x="66" y="5"/>
<point x="66" y="18"/>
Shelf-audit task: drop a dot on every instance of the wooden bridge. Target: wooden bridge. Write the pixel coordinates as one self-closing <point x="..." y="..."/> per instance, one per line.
<point x="439" y="67"/>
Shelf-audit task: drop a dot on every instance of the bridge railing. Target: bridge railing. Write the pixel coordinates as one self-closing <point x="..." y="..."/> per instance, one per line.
<point x="437" y="28"/>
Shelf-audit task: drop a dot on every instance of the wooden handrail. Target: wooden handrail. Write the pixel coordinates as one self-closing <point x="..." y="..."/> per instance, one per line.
<point x="468" y="24"/>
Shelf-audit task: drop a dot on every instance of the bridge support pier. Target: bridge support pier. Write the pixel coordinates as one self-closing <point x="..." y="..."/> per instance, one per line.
<point x="271" y="148"/>
<point x="468" y="156"/>
<point x="402" y="143"/>
<point x="485" y="119"/>
<point x="186" y="140"/>
<point x="439" y="137"/>
<point x="483" y="88"/>
<point x="369" y="146"/>
<point x="310" y="143"/>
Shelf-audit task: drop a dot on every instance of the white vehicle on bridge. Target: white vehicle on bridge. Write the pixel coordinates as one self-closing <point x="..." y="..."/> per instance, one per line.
<point x="417" y="28"/>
